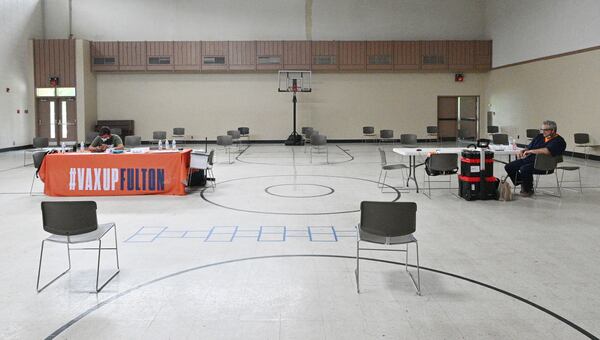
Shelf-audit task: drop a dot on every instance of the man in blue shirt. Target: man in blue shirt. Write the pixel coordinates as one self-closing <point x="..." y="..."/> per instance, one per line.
<point x="548" y="142"/>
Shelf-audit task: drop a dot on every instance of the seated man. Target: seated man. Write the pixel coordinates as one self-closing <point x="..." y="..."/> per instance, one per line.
<point x="105" y="141"/>
<point x="548" y="142"/>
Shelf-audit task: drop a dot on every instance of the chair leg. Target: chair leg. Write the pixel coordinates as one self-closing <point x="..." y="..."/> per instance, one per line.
<point x="418" y="270"/>
<point x="580" y="186"/>
<point x="40" y="268"/>
<point x="416" y="283"/>
<point x="379" y="178"/>
<point x="357" y="271"/>
<point x="32" y="181"/>
<point x="383" y="183"/>
<point x="99" y="288"/>
<point x="557" y="184"/>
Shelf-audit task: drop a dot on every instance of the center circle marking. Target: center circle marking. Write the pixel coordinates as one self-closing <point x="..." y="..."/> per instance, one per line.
<point x="273" y="190"/>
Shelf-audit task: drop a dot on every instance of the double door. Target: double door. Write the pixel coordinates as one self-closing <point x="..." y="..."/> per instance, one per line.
<point x="458" y="117"/>
<point x="57" y="119"/>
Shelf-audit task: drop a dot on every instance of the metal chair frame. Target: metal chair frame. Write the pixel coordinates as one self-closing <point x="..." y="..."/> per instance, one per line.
<point x="570" y="168"/>
<point x="68" y="241"/>
<point x="226" y="147"/>
<point x="384" y="164"/>
<point x="416" y="283"/>
<point x="368" y="133"/>
<point x="557" y="160"/>
<point x="318" y="147"/>
<point x="427" y="179"/>
<point x="36" y="164"/>
<point x="382" y="138"/>
<point x="179" y="137"/>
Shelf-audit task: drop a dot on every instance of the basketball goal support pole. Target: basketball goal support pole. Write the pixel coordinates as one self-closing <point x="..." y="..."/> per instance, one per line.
<point x="294" y="138"/>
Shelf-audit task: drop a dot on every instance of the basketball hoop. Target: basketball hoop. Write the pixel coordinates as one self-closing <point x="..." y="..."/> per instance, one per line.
<point x="294" y="82"/>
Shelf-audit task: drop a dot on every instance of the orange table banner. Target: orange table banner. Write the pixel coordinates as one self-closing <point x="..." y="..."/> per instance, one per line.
<point x="104" y="174"/>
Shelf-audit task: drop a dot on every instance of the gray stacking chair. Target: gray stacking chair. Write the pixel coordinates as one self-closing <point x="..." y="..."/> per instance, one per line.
<point x="158" y="135"/>
<point x="39" y="144"/>
<point x="179" y="135"/>
<point x="226" y="142"/>
<point x="235" y="137"/>
<point x="116" y="131"/>
<point x="500" y="139"/>
<point x="389" y="224"/>
<point x="75" y="222"/>
<point x="368" y="132"/>
<point x="316" y="142"/>
<point x="532" y="133"/>
<point x="441" y="164"/>
<point x="386" y="135"/>
<point x="546" y="165"/>
<point x="38" y="159"/>
<point x="90" y="136"/>
<point x="432" y="132"/>
<point x="387" y="167"/>
<point x="408" y="140"/>
<point x="492" y="129"/>
<point x="308" y="134"/>
<point x="582" y="140"/>
<point x="564" y="168"/>
<point x="133" y="141"/>
<point x="209" y="169"/>
<point x="244" y="133"/>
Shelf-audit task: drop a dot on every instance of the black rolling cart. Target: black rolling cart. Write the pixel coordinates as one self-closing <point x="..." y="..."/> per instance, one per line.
<point x="476" y="180"/>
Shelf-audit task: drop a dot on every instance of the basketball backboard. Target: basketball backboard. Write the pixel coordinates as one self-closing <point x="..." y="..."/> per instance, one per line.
<point x="294" y="81"/>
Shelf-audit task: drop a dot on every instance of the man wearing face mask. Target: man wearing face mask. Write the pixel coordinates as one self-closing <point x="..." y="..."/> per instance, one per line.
<point x="105" y="141"/>
<point x="549" y="143"/>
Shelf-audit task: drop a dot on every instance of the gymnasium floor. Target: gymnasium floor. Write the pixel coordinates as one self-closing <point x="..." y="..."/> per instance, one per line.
<point x="269" y="255"/>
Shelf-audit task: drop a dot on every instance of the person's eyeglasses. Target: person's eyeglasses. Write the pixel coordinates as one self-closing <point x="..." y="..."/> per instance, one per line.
<point x="542" y="130"/>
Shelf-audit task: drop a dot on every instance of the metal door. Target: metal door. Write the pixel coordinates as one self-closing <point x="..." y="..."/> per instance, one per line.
<point x="57" y="119"/>
<point x="447" y="118"/>
<point x="468" y="112"/>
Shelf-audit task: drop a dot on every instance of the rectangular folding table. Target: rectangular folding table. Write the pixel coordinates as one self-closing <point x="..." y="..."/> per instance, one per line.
<point x="412" y="154"/>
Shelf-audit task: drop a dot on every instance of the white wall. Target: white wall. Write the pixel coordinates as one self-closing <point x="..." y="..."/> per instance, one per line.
<point x="340" y="104"/>
<point x="562" y="89"/>
<point x="269" y="19"/>
<point x="524" y="30"/>
<point x="398" y="19"/>
<point x="19" y="22"/>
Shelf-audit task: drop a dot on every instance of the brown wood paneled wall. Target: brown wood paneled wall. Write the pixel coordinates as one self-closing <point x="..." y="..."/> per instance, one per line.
<point x="380" y="55"/>
<point x="353" y="55"/>
<point x="434" y="55"/>
<point x="483" y="55"/>
<point x="187" y="55"/>
<point x="407" y="55"/>
<point x="296" y="55"/>
<point x="269" y="51"/>
<point x="242" y="55"/>
<point x="215" y="55"/>
<point x="54" y="58"/>
<point x="344" y="56"/>
<point x="132" y="55"/>
<point x="324" y="56"/>
<point x="159" y="55"/>
<point x="461" y="55"/>
<point x="105" y="55"/>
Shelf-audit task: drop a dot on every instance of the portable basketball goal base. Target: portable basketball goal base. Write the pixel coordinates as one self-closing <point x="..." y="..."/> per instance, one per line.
<point x="294" y="81"/>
